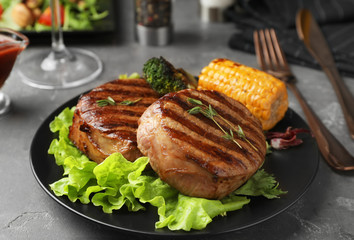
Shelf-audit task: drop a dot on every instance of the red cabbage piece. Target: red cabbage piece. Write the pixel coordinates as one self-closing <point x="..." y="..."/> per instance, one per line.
<point x="284" y="140"/>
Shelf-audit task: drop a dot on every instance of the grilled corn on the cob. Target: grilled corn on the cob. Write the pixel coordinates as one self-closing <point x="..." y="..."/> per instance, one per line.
<point x="264" y="95"/>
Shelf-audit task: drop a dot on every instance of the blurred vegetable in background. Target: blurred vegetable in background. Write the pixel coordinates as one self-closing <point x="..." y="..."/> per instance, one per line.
<point x="1" y="11"/>
<point x="46" y="17"/>
<point x="35" y="15"/>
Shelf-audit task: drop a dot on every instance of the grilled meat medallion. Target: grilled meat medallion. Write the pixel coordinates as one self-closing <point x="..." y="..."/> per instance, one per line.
<point x="100" y="131"/>
<point x="190" y="152"/>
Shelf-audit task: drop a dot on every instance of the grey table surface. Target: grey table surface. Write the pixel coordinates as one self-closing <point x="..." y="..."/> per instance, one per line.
<point x="326" y="211"/>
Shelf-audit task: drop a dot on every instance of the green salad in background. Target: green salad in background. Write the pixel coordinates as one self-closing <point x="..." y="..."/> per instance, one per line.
<point x="35" y="15"/>
<point x="117" y="183"/>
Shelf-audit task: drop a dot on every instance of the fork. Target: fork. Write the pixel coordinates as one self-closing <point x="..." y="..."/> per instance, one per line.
<point x="271" y="59"/>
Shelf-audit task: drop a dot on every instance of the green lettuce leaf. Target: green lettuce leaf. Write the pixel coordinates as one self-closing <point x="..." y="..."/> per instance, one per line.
<point x="117" y="182"/>
<point x="112" y="174"/>
<point x="261" y="184"/>
<point x="64" y="119"/>
<point x="188" y="213"/>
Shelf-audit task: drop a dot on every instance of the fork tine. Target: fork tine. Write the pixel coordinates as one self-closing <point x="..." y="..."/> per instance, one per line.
<point x="279" y="51"/>
<point x="258" y="49"/>
<point x="271" y="45"/>
<point x="261" y="50"/>
<point x="266" y="52"/>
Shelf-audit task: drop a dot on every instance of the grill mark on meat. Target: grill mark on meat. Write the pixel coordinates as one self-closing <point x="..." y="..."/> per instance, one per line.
<point x="218" y="97"/>
<point x="128" y="82"/>
<point x="221" y="110"/>
<point x="136" y="93"/>
<point x="195" y="127"/>
<point x="85" y="128"/>
<point x="113" y="123"/>
<point x="125" y="85"/>
<point x="91" y="102"/>
<point x="119" y="96"/>
<point x="136" y="112"/>
<point x="92" y="98"/>
<point x="212" y="169"/>
<point x="124" y="135"/>
<point x="111" y="127"/>
<point x="252" y="132"/>
<point x="129" y="87"/>
<point x="218" y="139"/>
<point x="235" y="120"/>
<point x="214" y="151"/>
<point x="218" y="109"/>
<point x="175" y="99"/>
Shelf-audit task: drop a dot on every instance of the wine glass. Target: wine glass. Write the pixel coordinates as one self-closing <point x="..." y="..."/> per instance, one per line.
<point x="12" y="43"/>
<point x="60" y="67"/>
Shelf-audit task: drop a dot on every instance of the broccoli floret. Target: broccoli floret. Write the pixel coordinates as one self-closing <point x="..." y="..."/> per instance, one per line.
<point x="163" y="77"/>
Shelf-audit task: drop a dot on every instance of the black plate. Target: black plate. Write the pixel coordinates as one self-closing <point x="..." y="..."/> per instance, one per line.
<point x="294" y="168"/>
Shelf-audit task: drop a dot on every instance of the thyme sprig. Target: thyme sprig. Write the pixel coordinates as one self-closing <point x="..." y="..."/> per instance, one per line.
<point x="105" y="102"/>
<point x="129" y="102"/>
<point x="110" y="101"/>
<point x="211" y="113"/>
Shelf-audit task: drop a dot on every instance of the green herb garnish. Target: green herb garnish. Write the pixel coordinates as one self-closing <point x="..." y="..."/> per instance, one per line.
<point x="269" y="148"/>
<point x="110" y="101"/>
<point x="105" y="102"/>
<point x="129" y="102"/>
<point x="211" y="113"/>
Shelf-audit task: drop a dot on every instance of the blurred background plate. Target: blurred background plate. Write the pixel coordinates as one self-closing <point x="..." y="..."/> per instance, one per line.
<point x="102" y="29"/>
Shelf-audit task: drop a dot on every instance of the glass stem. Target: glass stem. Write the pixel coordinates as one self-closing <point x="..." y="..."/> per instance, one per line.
<point x="58" y="47"/>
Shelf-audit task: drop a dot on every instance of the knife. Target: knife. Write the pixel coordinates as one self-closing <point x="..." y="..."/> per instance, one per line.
<point x="310" y="33"/>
